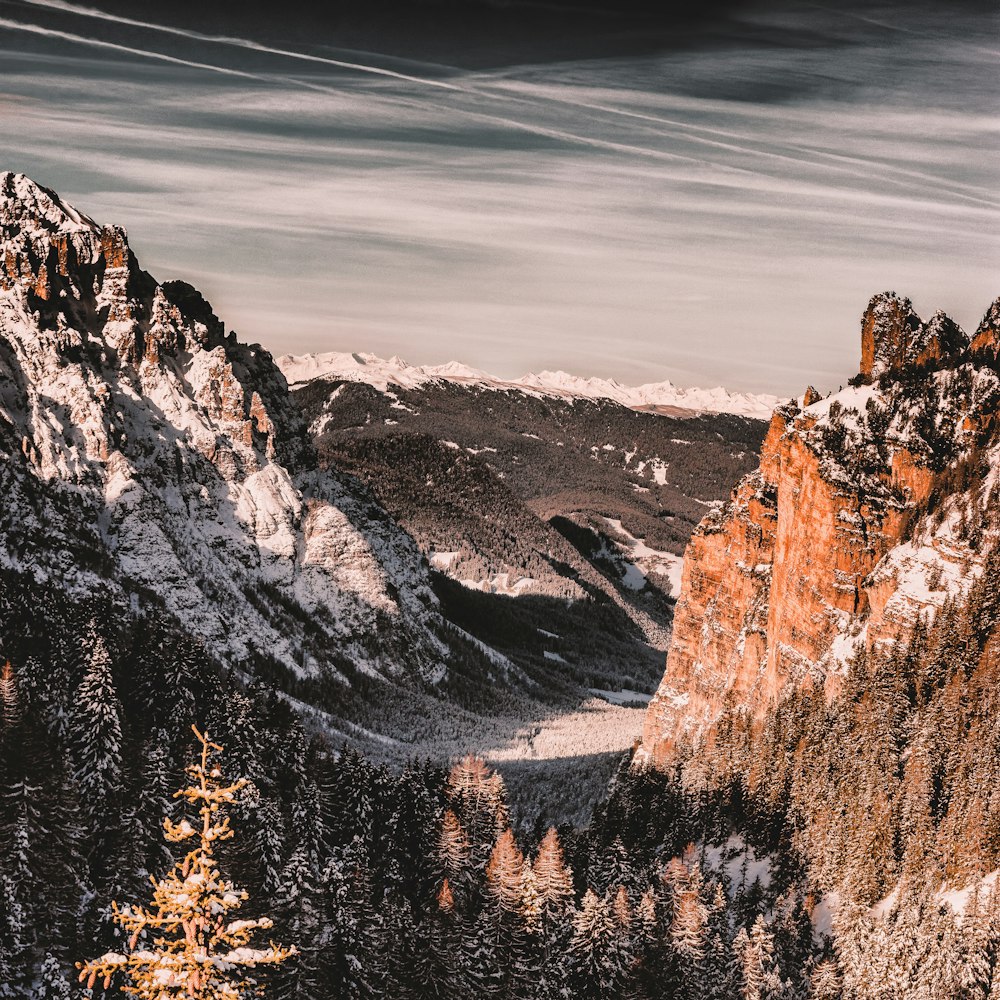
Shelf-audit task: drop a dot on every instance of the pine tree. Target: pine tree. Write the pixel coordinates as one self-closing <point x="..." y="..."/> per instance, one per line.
<point x="453" y="849"/>
<point x="553" y="878"/>
<point x="96" y="732"/>
<point x="505" y="873"/>
<point x="144" y="849"/>
<point x="296" y="908"/>
<point x="756" y="950"/>
<point x="10" y="699"/>
<point x="478" y="798"/>
<point x="52" y="983"/>
<point x="824" y="982"/>
<point x="194" y="951"/>
<point x="352" y="954"/>
<point x="600" y="956"/>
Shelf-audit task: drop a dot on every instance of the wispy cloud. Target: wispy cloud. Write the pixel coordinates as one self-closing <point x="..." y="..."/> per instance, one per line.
<point x="237" y="42"/>
<point x="641" y="217"/>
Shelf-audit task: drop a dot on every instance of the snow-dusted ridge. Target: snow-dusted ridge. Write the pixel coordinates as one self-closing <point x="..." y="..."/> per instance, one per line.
<point x="145" y="450"/>
<point x="381" y="373"/>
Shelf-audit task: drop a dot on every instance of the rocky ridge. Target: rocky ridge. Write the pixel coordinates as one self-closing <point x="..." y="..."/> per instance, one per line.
<point x="864" y="515"/>
<point x="146" y="448"/>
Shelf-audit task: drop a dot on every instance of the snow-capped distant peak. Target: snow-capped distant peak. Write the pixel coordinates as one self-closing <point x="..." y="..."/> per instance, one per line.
<point x="456" y="370"/>
<point x="380" y="374"/>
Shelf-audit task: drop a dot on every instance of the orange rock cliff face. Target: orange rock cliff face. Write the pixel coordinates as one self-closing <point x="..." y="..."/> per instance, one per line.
<point x="815" y="552"/>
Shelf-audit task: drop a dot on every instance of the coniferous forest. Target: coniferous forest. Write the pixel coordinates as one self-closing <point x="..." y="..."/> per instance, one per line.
<point x="707" y="880"/>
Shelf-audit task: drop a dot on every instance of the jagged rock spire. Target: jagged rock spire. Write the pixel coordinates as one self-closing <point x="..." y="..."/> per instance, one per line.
<point x="894" y="338"/>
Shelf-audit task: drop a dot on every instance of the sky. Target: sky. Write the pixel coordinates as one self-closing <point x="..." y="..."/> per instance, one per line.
<point x="531" y="185"/>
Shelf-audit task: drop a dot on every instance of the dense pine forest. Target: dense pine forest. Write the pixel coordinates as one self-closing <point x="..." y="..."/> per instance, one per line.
<point x="805" y="855"/>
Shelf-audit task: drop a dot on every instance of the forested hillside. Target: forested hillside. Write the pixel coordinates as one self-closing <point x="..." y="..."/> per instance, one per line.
<point x="747" y="871"/>
<point x="565" y="504"/>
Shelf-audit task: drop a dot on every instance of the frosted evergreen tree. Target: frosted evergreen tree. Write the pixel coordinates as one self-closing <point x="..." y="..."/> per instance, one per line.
<point x="14" y="937"/>
<point x="453" y="849"/>
<point x="183" y="944"/>
<point x="505" y="873"/>
<point x="296" y="908"/>
<point x="689" y="939"/>
<point x="351" y="960"/>
<point x="52" y="982"/>
<point x="479" y="799"/>
<point x="10" y="698"/>
<point x="95" y="731"/>
<point x="145" y="850"/>
<point x="600" y="958"/>
<point x="824" y="981"/>
<point x="756" y="951"/>
<point x="554" y="879"/>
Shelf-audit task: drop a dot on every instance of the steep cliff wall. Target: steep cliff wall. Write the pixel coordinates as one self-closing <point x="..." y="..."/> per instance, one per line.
<point x="848" y="531"/>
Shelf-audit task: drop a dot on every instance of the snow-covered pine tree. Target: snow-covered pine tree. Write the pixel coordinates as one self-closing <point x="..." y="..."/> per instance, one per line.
<point x="504" y="873"/>
<point x="52" y="982"/>
<point x="352" y="953"/>
<point x="144" y="850"/>
<point x="453" y="849"/>
<point x="689" y="938"/>
<point x="553" y="877"/>
<point x="296" y="911"/>
<point x="824" y="982"/>
<point x="600" y="957"/>
<point x="478" y="797"/>
<point x="183" y="945"/>
<point x="95" y="732"/>
<point x="756" y="950"/>
<point x="10" y="700"/>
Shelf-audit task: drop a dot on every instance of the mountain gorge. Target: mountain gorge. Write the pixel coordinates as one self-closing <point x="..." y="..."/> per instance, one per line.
<point x="424" y="565"/>
<point x="415" y="568"/>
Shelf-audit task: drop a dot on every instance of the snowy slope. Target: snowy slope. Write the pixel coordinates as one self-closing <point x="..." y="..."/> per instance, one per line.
<point x="381" y="374"/>
<point x="146" y="449"/>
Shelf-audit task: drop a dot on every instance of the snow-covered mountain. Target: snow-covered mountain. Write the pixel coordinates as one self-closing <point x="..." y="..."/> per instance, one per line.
<point x="145" y="449"/>
<point x="149" y="454"/>
<point x="871" y="510"/>
<point x="317" y="539"/>
<point x="382" y="373"/>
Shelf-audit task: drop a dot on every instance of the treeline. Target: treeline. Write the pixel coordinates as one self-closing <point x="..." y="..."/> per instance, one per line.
<point x="401" y="882"/>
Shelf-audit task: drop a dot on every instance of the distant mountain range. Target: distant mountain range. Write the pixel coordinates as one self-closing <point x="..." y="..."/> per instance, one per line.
<point x="662" y="397"/>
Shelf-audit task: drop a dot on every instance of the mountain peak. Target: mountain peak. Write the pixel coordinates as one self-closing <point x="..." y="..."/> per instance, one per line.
<point x="894" y="338"/>
<point x="75" y="292"/>
<point x="28" y="207"/>
<point x="986" y="341"/>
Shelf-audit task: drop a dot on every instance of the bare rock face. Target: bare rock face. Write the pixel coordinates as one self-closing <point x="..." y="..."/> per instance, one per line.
<point x="985" y="344"/>
<point x="826" y="546"/>
<point x="894" y="339"/>
<point x="145" y="448"/>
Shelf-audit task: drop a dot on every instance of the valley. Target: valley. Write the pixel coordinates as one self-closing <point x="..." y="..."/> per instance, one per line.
<point x="426" y="566"/>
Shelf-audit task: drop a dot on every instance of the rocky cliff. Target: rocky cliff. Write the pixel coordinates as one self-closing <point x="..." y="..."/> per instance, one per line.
<point x="864" y="515"/>
<point x="147" y="450"/>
